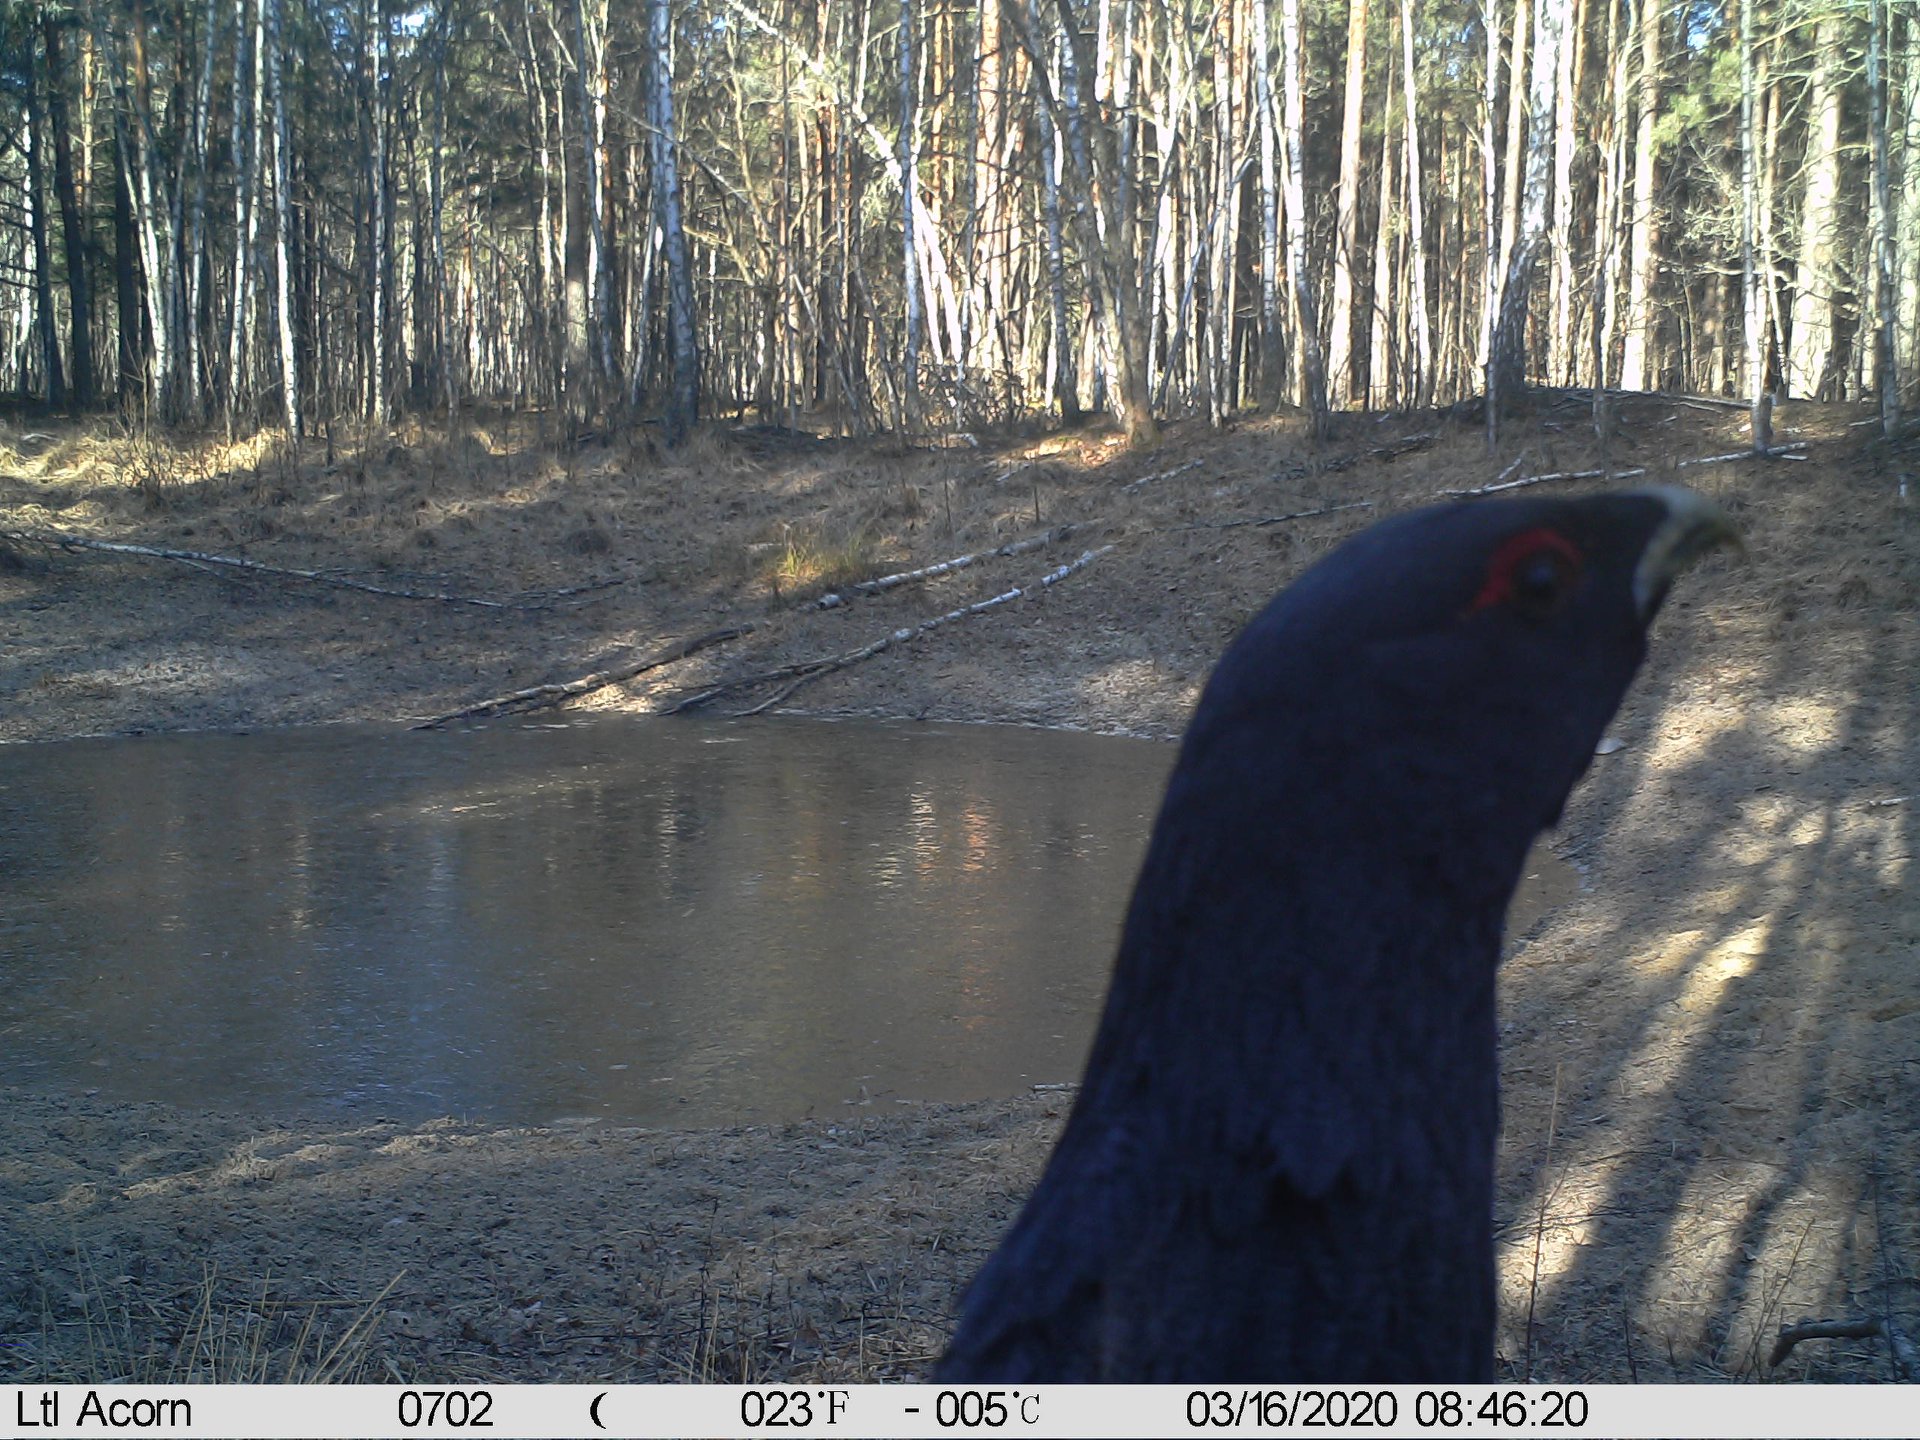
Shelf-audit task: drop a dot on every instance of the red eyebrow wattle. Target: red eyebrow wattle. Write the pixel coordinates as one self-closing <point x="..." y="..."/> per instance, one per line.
<point x="1507" y="558"/>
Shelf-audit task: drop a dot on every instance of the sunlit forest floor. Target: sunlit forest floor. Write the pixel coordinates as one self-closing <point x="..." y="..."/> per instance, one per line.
<point x="1712" y="1055"/>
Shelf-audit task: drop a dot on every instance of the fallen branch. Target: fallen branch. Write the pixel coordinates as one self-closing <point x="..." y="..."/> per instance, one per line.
<point x="1905" y="1358"/>
<point x="946" y="567"/>
<point x="1794" y="451"/>
<point x="1585" y="393"/>
<point x="1334" y="464"/>
<point x="1774" y="452"/>
<point x="1543" y="479"/>
<point x="1276" y="519"/>
<point x="809" y="670"/>
<point x="201" y="560"/>
<point x="538" y="697"/>
<point x="1164" y="474"/>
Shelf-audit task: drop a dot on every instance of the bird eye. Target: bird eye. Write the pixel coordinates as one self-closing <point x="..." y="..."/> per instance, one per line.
<point x="1531" y="573"/>
<point x="1539" y="579"/>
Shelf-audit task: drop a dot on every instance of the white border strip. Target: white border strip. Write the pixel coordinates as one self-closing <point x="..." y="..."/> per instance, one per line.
<point x="1039" y="1412"/>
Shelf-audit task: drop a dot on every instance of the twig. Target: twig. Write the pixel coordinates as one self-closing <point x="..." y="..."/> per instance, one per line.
<point x="1334" y="464"/>
<point x="1773" y="1301"/>
<point x="1669" y="396"/>
<point x="1275" y="519"/>
<point x="1794" y="451"/>
<point x="1775" y="452"/>
<point x="537" y="697"/>
<point x="1164" y="474"/>
<point x="1792" y="1335"/>
<point x="1543" y="479"/>
<point x="1540" y="1227"/>
<point x="946" y="567"/>
<point x="59" y="539"/>
<point x="809" y="670"/>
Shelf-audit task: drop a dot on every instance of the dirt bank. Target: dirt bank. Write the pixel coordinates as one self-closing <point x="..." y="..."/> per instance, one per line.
<point x="1712" y="1055"/>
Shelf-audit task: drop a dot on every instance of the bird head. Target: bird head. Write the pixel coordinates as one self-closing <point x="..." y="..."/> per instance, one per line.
<point x="1436" y="685"/>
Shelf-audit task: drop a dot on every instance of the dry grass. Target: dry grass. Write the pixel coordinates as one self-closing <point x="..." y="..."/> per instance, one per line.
<point x="218" y="1333"/>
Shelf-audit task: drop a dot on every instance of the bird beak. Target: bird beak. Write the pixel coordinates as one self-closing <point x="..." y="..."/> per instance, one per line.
<point x="1694" y="525"/>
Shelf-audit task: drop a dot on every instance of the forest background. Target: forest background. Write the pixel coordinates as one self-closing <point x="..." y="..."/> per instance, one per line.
<point x="923" y="215"/>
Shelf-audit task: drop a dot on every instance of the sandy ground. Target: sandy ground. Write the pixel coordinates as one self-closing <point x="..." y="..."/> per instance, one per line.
<point x="1712" y="1054"/>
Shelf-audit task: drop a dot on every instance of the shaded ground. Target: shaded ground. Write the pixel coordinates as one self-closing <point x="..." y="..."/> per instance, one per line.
<point x="1712" y="1056"/>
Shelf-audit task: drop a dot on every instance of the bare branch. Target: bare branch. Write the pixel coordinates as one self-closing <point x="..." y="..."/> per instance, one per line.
<point x="63" y="540"/>
<point x="538" y="697"/>
<point x="809" y="670"/>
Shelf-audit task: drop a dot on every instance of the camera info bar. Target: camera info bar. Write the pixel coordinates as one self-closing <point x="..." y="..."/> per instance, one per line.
<point x="1035" y="1412"/>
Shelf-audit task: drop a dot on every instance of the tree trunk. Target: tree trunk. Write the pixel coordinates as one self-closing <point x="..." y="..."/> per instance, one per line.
<point x="131" y="353"/>
<point x="1909" y="225"/>
<point x="1489" y="225"/>
<point x="590" y="72"/>
<point x="1560" y="348"/>
<point x="1636" y="352"/>
<point x="1105" y="234"/>
<point x="683" y="399"/>
<point x="45" y="320"/>
<point x="72" y="221"/>
<point x="910" y="270"/>
<point x="1066" y="379"/>
<point x="1886" y="365"/>
<point x="1416" y="222"/>
<point x="1516" y="149"/>
<point x="1508" y="362"/>
<point x="1378" y="321"/>
<point x="1272" y="345"/>
<point x="1346" y="240"/>
<point x="1758" y="400"/>
<point x="1314" y="368"/>
<point x="248" y="77"/>
<point x="1810" y="351"/>
<point x="373" y="81"/>
<point x="989" y="313"/>
<point x="195" y="265"/>
<point x="283" y="237"/>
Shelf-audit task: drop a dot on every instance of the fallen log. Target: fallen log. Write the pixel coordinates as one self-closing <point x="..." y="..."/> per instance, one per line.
<point x="202" y="560"/>
<point x="806" y="671"/>
<point x="538" y="697"/>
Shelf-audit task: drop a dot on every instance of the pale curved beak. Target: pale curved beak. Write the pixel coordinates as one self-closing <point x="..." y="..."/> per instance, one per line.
<point x="1694" y="526"/>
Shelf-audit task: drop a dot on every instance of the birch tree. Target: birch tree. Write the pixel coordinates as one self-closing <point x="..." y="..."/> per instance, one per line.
<point x="273" y="48"/>
<point x="1643" y="226"/>
<point x="1886" y="364"/>
<point x="1416" y="221"/>
<point x="72" y="221"/>
<point x="1347" y="209"/>
<point x="1810" y="347"/>
<point x="1507" y="362"/>
<point x="1759" y="401"/>
<point x="683" y="401"/>
<point x="1313" y="367"/>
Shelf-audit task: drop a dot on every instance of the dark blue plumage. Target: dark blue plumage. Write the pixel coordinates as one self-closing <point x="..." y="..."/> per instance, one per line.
<point x="1280" y="1162"/>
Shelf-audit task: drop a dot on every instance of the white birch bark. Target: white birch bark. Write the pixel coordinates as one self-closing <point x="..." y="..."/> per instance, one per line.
<point x="1293" y="124"/>
<point x="1886" y="364"/>
<point x="683" y="405"/>
<point x="1508" y="363"/>
<point x="282" y="220"/>
<point x="1759" y="402"/>
<point x="1810" y="347"/>
<point x="1346" y="225"/>
<point x="1416" y="222"/>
